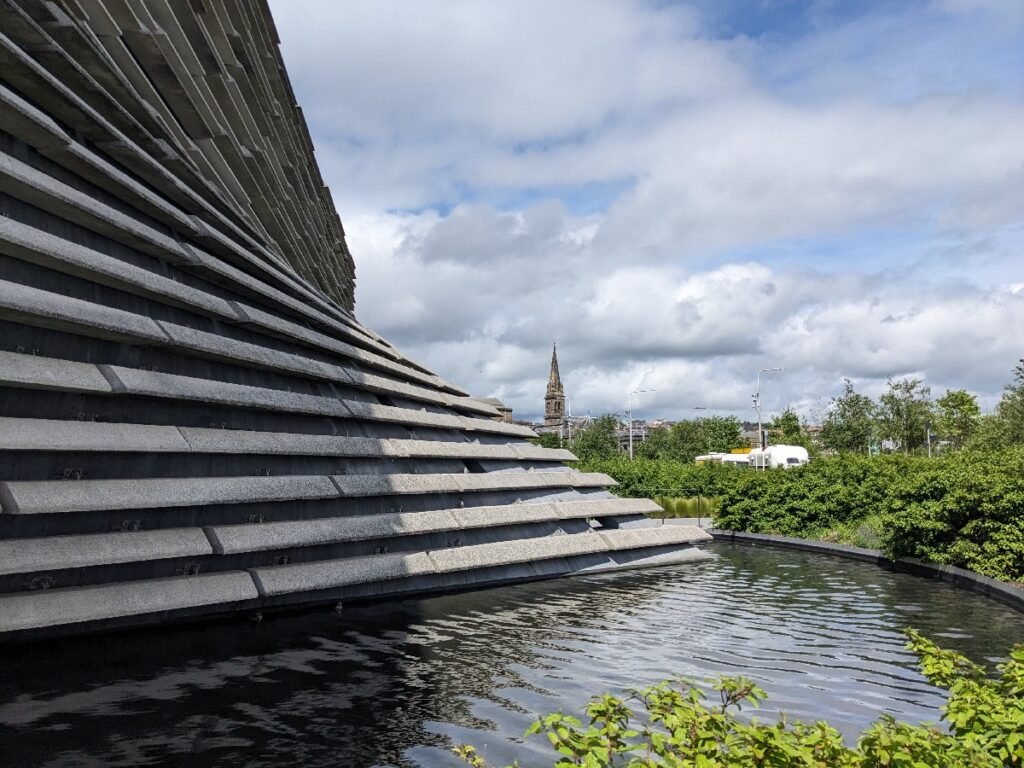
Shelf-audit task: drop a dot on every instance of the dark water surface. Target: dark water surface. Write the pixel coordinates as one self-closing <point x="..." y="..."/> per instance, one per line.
<point x="397" y="684"/>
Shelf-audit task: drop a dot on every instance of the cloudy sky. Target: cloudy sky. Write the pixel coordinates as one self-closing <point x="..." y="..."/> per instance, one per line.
<point x="679" y="193"/>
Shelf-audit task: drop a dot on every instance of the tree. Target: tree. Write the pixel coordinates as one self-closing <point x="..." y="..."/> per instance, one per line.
<point x="548" y="440"/>
<point x="686" y="440"/>
<point x="786" y="429"/>
<point x="1011" y="407"/>
<point x="904" y="413"/>
<point x="957" y="416"/>
<point x="850" y="422"/>
<point x="721" y="433"/>
<point x="598" y="441"/>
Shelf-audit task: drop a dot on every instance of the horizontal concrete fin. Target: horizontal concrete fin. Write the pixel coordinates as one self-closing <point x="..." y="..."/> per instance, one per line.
<point x="55" y="496"/>
<point x="328" y="574"/>
<point x="18" y="434"/>
<point x="30" y="244"/>
<point x="223" y="348"/>
<point x="513" y="480"/>
<point x="655" y="536"/>
<point x="44" y="309"/>
<point x="303" y="533"/>
<point x="204" y="440"/>
<point x="497" y="427"/>
<point x="288" y="329"/>
<point x="169" y="385"/>
<point x="33" y="372"/>
<point x="51" y="607"/>
<point x="395" y="484"/>
<point x="44" y="191"/>
<point x="515" y="551"/>
<point x="58" y="552"/>
<point x="531" y="452"/>
<point x="608" y="507"/>
<point x="400" y="484"/>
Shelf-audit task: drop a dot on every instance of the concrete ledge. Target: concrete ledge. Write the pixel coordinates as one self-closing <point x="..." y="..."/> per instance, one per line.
<point x="637" y="538"/>
<point x="44" y="309"/>
<point x="47" y="608"/>
<point x="33" y="372"/>
<point x="257" y="537"/>
<point x="18" y="434"/>
<point x="329" y="574"/>
<point x="960" y="577"/>
<point x="59" y="552"/>
<point x="56" y="496"/>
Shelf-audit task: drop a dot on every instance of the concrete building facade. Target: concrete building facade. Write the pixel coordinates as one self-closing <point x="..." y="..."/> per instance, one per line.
<point x="192" y="420"/>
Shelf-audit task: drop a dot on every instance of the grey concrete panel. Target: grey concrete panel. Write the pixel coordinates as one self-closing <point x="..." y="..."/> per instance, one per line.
<point x="497" y="427"/>
<point x="395" y="484"/>
<point x="33" y="372"/>
<point x="231" y="350"/>
<point x="20" y="118"/>
<point x="438" y="448"/>
<point x="382" y="384"/>
<point x="508" y="514"/>
<point x="29" y="244"/>
<point x="55" y="496"/>
<point x="328" y="574"/>
<point x="58" y="552"/>
<point x="155" y="384"/>
<point x="43" y="309"/>
<point x="287" y="328"/>
<point x="203" y="440"/>
<point x="256" y="537"/>
<point x="375" y="412"/>
<point x="608" y="507"/>
<point x="657" y="536"/>
<point x="35" y="187"/>
<point x="530" y="452"/>
<point x="51" y="607"/>
<point x="515" y="480"/>
<point x="520" y="550"/>
<point x="18" y="434"/>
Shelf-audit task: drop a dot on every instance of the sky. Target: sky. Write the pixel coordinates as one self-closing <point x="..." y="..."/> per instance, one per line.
<point x="679" y="193"/>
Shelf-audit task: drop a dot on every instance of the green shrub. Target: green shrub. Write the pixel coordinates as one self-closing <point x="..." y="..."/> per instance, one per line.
<point x="984" y="719"/>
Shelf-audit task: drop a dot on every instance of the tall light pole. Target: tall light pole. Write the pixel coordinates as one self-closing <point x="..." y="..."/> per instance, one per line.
<point x="634" y="392"/>
<point x="757" y="404"/>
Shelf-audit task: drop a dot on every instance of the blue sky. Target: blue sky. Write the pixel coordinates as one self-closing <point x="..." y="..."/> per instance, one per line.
<point x="679" y="192"/>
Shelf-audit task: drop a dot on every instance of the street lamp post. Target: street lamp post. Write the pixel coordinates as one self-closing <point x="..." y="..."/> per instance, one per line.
<point x="634" y="392"/>
<point x="757" y="404"/>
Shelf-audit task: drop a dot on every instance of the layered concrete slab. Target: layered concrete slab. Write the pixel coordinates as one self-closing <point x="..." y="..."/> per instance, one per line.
<point x="59" y="496"/>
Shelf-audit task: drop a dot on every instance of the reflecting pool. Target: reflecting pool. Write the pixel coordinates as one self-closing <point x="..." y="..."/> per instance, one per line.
<point x="397" y="684"/>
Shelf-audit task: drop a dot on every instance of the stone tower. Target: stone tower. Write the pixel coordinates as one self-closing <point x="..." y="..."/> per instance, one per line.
<point x="554" y="398"/>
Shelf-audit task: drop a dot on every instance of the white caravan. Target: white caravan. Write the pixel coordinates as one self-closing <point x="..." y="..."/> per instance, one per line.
<point x="785" y="456"/>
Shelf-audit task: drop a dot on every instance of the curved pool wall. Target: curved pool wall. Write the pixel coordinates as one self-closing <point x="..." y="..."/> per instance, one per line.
<point x="960" y="577"/>
<point x="192" y="420"/>
<point x="397" y="684"/>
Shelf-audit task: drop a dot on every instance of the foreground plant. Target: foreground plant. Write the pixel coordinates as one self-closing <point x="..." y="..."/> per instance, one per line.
<point x="984" y="719"/>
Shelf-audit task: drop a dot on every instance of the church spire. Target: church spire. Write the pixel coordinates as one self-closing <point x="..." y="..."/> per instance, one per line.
<point x="554" y="398"/>
<point x="553" y="378"/>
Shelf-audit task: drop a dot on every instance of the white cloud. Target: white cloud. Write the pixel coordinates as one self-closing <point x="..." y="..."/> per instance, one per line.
<point x="671" y="205"/>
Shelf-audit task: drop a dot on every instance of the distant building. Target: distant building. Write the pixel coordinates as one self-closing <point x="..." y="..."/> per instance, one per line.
<point x="504" y="411"/>
<point x="554" y="398"/>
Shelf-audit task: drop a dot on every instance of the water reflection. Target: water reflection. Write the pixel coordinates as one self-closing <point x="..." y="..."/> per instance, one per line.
<point x="397" y="684"/>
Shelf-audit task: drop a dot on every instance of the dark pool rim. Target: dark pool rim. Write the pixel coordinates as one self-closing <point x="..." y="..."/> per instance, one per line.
<point x="958" y="577"/>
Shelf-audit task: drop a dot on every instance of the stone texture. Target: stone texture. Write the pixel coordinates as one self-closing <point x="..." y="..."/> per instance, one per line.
<point x="330" y="530"/>
<point x="34" y="372"/>
<point x="43" y="309"/>
<point x="54" y="552"/>
<point x="328" y="574"/>
<point x="55" y="435"/>
<point x="55" y="496"/>
<point x="45" y="608"/>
